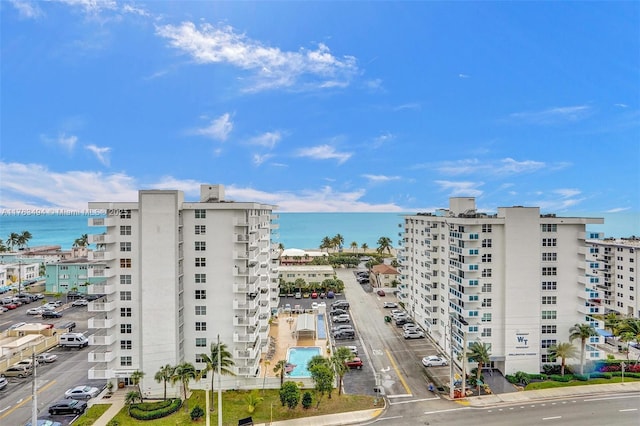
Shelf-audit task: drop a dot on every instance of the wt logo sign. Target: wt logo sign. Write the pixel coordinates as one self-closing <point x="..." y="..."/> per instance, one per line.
<point x="522" y="340"/>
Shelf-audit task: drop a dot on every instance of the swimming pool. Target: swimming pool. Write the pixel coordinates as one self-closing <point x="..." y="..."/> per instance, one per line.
<point x="321" y="329"/>
<point x="299" y="356"/>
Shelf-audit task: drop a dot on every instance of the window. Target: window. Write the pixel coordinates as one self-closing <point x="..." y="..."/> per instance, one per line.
<point x="547" y="343"/>
<point x="201" y="326"/>
<point x="125" y="328"/>
<point x="200" y="358"/>
<point x="126" y="361"/>
<point x="201" y="310"/>
<point x="549" y="300"/>
<point x="549" y="257"/>
<point x="546" y="358"/>
<point x="549" y="227"/>
<point x="125" y="214"/>
<point x="486" y="273"/>
<point x="125" y="263"/>
<point x="486" y="332"/>
<point x="549" y="315"/>
<point x="486" y="227"/>
<point x="201" y="294"/>
<point x="486" y="303"/>
<point x="125" y="295"/>
<point x="486" y="258"/>
<point x="549" y="242"/>
<point x="487" y="242"/>
<point x="201" y="278"/>
<point x="125" y="246"/>
<point x="201" y="214"/>
<point x="486" y="287"/>
<point x="548" y="329"/>
<point x="549" y="271"/>
<point x="201" y="229"/>
<point x="125" y="312"/>
<point x="201" y="262"/>
<point x="125" y="279"/>
<point x="549" y="285"/>
<point x="201" y="342"/>
<point x="125" y="230"/>
<point x="126" y="344"/>
<point x="486" y="317"/>
<point x="201" y="245"/>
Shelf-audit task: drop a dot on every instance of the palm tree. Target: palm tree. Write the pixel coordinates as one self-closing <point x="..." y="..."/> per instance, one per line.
<point x="338" y="241"/>
<point x="224" y="357"/>
<point x="12" y="240"/>
<point x="338" y="360"/>
<point x="279" y="369"/>
<point x="83" y="241"/>
<point x="184" y="373"/>
<point x="136" y="378"/>
<point x="3" y="247"/>
<point x="629" y="330"/>
<point x="611" y="322"/>
<point x="280" y="246"/>
<point x="164" y="375"/>
<point x="131" y="397"/>
<point x="582" y="332"/>
<point x="563" y="351"/>
<point x="479" y="352"/>
<point x="23" y="239"/>
<point x="354" y="246"/>
<point x="384" y="243"/>
<point x="364" y="247"/>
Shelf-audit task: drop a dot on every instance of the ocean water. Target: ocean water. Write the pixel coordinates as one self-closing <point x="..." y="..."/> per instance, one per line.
<point x="297" y="230"/>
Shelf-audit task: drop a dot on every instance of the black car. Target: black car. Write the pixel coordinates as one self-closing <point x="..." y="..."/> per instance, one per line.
<point x="51" y="314"/>
<point x="335" y="312"/>
<point x="68" y="406"/>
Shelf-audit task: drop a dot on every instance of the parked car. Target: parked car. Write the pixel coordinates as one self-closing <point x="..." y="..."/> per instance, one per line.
<point x="335" y="312"/>
<point x="390" y="305"/>
<point x="433" y="361"/>
<point x="51" y="314"/>
<point x="314" y="295"/>
<point x="331" y="295"/>
<point x="413" y="334"/>
<point x="45" y="422"/>
<point x="46" y="358"/>
<point x="34" y="311"/>
<point x="67" y="406"/>
<point x="344" y="335"/>
<point x="82" y="392"/>
<point x="11" y="306"/>
<point x="341" y="318"/>
<point x="400" y="322"/>
<point x="353" y="349"/>
<point x="298" y="295"/>
<point x="323" y="295"/>
<point x="355" y="362"/>
<point x="39" y="296"/>
<point x="410" y="326"/>
<point x="380" y="292"/>
<point x="340" y="304"/>
<point x="3" y="308"/>
<point x="80" y="302"/>
<point x="17" y="371"/>
<point x="287" y="308"/>
<point x="27" y="362"/>
<point x="3" y="383"/>
<point x="342" y="327"/>
<point x="17" y="325"/>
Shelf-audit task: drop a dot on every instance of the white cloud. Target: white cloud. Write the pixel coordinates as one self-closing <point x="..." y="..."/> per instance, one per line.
<point x="554" y="115"/>
<point x="219" y="128"/>
<point x="463" y="76"/>
<point x="27" y="9"/>
<point x="91" y="6"/>
<point x="382" y="139"/>
<point x="259" y="159"/>
<point x="268" y="139"/>
<point x="567" y="193"/>
<point x="380" y="178"/>
<point x="270" y="66"/>
<point x="460" y="189"/>
<point x="504" y="166"/>
<point x="621" y="105"/>
<point x="324" y="152"/>
<point x="618" y="210"/>
<point x="411" y="105"/>
<point x="101" y="153"/>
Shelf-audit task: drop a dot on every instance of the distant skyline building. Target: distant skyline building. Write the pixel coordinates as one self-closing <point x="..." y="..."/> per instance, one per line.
<point x="516" y="280"/>
<point x="177" y="274"/>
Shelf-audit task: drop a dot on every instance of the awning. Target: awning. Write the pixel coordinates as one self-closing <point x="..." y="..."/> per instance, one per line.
<point x="604" y="333"/>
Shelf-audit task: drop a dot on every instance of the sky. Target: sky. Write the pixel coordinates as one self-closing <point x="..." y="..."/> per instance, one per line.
<point x="361" y="106"/>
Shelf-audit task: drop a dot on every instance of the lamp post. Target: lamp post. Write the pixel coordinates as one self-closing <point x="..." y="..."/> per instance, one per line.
<point x="451" y="378"/>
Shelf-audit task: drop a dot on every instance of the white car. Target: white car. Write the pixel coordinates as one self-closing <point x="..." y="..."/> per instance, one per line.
<point x="411" y="326"/>
<point x="80" y="302"/>
<point x="34" y="311"/>
<point x="390" y="305"/>
<point x="46" y="357"/>
<point x="433" y="361"/>
<point x="413" y="334"/>
<point x="341" y="318"/>
<point x="82" y="392"/>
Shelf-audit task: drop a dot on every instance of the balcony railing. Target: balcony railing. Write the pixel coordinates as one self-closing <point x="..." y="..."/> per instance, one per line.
<point x="101" y="323"/>
<point x="99" y="356"/>
<point x="102" y="339"/>
<point x="101" y="306"/>
<point x="101" y="372"/>
<point x="101" y="289"/>
<point x="101" y="239"/>
<point x="100" y="255"/>
<point x="245" y="304"/>
<point x="107" y="221"/>
<point x="97" y="272"/>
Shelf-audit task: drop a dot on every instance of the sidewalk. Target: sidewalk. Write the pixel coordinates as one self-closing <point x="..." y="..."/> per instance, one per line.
<point x="117" y="403"/>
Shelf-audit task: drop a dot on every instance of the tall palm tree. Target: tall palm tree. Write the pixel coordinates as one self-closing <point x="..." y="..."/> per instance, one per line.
<point x="582" y="332"/>
<point x="136" y="378"/>
<point x="131" y="397"/>
<point x="354" y="246"/>
<point x="479" y="352"/>
<point x="23" y="239"/>
<point x="563" y="351"/>
<point x="338" y="360"/>
<point x="326" y="244"/>
<point x="184" y="373"/>
<point x="12" y="240"/>
<point x="279" y="369"/>
<point x="338" y="241"/>
<point x="629" y="330"/>
<point x="384" y="243"/>
<point x="83" y="241"/>
<point x="211" y="359"/>
<point x="164" y="375"/>
<point x="611" y="321"/>
<point x="3" y="247"/>
<point x="364" y="247"/>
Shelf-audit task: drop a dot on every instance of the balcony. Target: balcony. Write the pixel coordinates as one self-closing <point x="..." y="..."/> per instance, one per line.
<point x="245" y="288"/>
<point x="101" y="288"/>
<point x="100" y="255"/>
<point x="248" y="321"/>
<point x="102" y="340"/>
<point x="246" y="354"/>
<point x="106" y="221"/>
<point x="99" y="356"/>
<point x="98" y="272"/>
<point x="101" y="323"/>
<point x="250" y="305"/>
<point x="590" y="294"/>
<point x="250" y="337"/>
<point x="101" y="306"/>
<point x="590" y="309"/>
<point x="101" y="372"/>
<point x="101" y="239"/>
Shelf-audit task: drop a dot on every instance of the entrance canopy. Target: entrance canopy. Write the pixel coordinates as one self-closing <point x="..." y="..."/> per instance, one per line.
<point x="306" y="323"/>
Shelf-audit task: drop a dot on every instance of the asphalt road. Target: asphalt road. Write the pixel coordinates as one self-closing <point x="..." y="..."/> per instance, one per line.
<point x="69" y="370"/>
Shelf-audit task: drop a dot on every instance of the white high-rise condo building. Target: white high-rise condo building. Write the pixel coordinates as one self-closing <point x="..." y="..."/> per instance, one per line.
<point x="516" y="280"/>
<point x="177" y="275"/>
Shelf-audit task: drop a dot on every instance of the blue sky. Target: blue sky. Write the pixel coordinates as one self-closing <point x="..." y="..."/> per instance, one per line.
<point x="322" y="106"/>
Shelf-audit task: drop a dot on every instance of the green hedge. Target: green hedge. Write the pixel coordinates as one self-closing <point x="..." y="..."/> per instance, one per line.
<point x="150" y="413"/>
<point x="597" y="375"/>
<point x="581" y="377"/>
<point x="538" y="376"/>
<point x="563" y="379"/>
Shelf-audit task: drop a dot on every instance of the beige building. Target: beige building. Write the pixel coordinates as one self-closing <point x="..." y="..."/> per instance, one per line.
<point x="384" y="275"/>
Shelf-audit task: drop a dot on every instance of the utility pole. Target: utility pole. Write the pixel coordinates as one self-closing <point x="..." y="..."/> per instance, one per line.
<point x="34" y="393"/>
<point x="464" y="363"/>
<point x="219" y="386"/>
<point x="451" y="378"/>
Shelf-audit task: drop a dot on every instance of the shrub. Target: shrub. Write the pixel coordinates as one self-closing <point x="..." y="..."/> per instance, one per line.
<point x="597" y="375"/>
<point x="537" y="376"/>
<point x="511" y="379"/>
<point x="152" y="414"/>
<point x="522" y="377"/>
<point x="290" y="395"/>
<point x="551" y="369"/>
<point x="563" y="379"/>
<point x="307" y="400"/>
<point x="196" y="413"/>
<point x="581" y="377"/>
<point x="113" y="422"/>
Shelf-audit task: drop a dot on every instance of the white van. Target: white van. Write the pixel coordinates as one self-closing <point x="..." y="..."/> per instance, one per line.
<point x="73" y="340"/>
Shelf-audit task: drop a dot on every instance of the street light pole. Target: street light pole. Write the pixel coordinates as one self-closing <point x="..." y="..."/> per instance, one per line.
<point x="451" y="378"/>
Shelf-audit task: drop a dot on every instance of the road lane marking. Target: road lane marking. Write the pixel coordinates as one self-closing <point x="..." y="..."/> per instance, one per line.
<point x="24" y="401"/>
<point x="395" y="367"/>
<point x="628" y="409"/>
<point x="446" y="411"/>
<point x="412" y="400"/>
<point x="611" y="397"/>
<point x="552" y="418"/>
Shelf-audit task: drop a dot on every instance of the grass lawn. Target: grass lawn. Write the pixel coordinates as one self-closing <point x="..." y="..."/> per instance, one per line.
<point x="552" y="384"/>
<point x="234" y="408"/>
<point x="92" y="414"/>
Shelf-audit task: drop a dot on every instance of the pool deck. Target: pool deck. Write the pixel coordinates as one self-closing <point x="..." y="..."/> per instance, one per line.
<point x="282" y="333"/>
